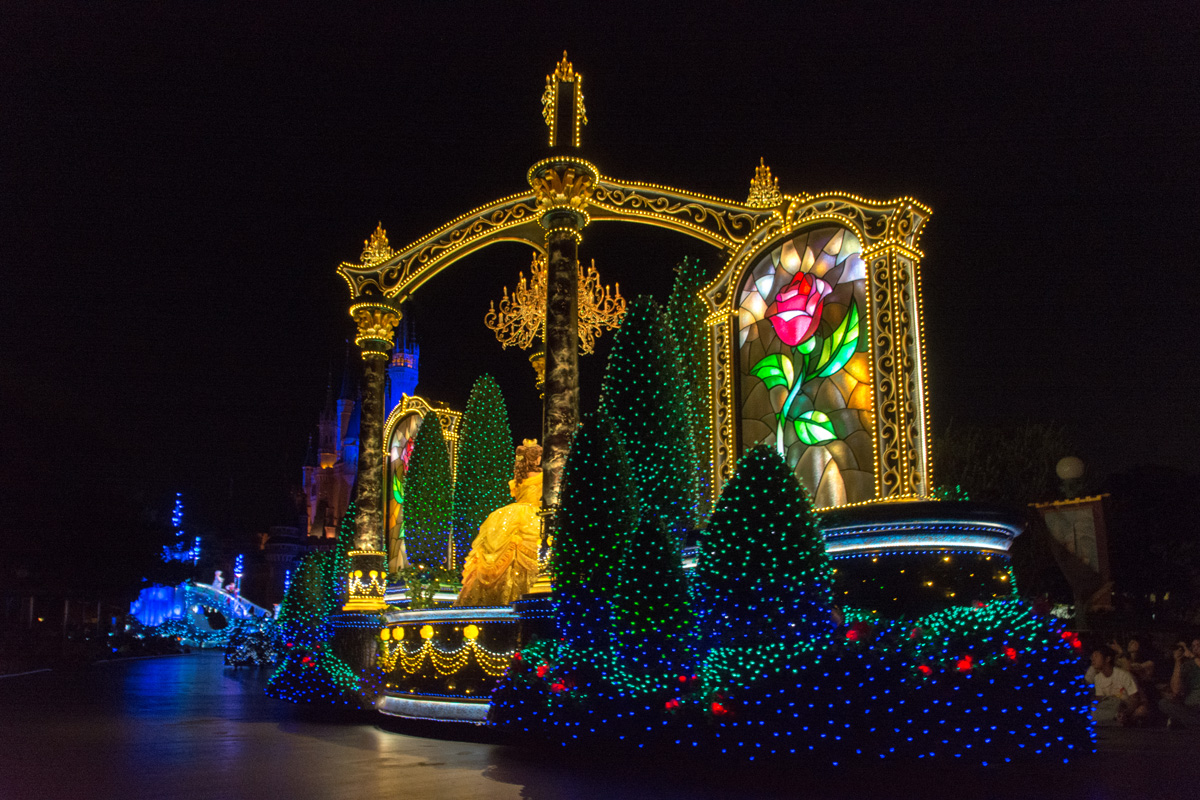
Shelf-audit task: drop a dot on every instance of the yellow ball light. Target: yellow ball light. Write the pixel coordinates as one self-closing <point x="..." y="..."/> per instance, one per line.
<point x="398" y="634"/>
<point x="385" y="634"/>
<point x="471" y="632"/>
<point x="426" y="631"/>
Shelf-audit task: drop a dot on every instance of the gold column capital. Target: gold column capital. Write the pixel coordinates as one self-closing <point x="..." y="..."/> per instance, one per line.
<point x="376" y="321"/>
<point x="562" y="190"/>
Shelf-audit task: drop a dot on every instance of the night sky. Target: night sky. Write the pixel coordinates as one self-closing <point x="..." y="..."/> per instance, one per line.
<point x="181" y="180"/>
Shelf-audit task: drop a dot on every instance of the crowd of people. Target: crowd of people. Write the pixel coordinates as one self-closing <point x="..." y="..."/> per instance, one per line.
<point x="1134" y="685"/>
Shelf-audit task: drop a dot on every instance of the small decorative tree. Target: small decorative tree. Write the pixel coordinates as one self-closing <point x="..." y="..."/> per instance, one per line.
<point x="652" y="616"/>
<point x="686" y="313"/>
<point x="596" y="517"/>
<point x="642" y="392"/>
<point x="763" y="576"/>
<point x="310" y="671"/>
<point x="428" y="497"/>
<point x="485" y="455"/>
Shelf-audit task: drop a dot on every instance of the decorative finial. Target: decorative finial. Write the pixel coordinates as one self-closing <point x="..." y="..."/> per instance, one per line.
<point x="564" y="71"/>
<point x="764" y="190"/>
<point x="376" y="248"/>
<point x="564" y="74"/>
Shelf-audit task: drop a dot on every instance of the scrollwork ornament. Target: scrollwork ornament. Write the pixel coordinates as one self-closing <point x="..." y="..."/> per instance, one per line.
<point x="728" y="222"/>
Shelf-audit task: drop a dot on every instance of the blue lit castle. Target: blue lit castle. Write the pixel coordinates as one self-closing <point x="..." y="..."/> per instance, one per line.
<point x="742" y="556"/>
<point x="331" y="469"/>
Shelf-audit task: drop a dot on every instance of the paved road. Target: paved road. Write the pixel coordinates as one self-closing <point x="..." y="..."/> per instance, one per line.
<point x="186" y="727"/>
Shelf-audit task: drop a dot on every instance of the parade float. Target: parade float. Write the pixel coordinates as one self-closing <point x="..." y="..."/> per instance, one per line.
<point x="740" y="554"/>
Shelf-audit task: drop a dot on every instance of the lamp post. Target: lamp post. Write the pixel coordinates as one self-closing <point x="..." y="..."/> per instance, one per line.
<point x="239" y="564"/>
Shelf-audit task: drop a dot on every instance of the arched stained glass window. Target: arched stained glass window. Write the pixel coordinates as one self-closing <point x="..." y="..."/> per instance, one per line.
<point x="399" y="451"/>
<point x="803" y="366"/>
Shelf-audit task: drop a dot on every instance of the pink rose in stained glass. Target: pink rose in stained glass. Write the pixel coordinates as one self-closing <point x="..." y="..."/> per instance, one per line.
<point x="796" y="311"/>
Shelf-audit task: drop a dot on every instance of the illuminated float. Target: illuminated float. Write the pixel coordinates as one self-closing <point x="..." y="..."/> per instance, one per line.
<point x="805" y="350"/>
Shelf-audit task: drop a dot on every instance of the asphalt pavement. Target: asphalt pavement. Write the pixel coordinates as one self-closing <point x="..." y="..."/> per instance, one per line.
<point x="188" y="727"/>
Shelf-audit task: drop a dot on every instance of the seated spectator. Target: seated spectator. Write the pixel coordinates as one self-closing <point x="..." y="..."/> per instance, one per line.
<point x="1118" y="701"/>
<point x="1137" y="659"/>
<point x="1182" y="703"/>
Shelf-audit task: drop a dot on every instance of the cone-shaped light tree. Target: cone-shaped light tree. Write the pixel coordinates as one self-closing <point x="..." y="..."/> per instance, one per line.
<point x="310" y="671"/>
<point x="653" y="626"/>
<point x="485" y="463"/>
<point x="596" y="518"/>
<point x="763" y="576"/>
<point x="428" y="497"/>
<point x="686" y="313"/>
<point x="642" y="391"/>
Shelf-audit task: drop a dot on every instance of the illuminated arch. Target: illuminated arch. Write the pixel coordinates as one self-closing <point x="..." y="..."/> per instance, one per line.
<point x="888" y="231"/>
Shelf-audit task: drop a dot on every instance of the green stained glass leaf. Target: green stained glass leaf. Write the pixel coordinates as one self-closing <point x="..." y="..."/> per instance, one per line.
<point x="808" y="345"/>
<point x="775" y="370"/>
<point x="814" y="427"/>
<point x="839" y="348"/>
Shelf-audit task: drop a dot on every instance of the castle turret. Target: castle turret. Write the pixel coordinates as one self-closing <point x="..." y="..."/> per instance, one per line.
<point x="310" y="461"/>
<point x="403" y="366"/>
<point x="328" y="431"/>
<point x="346" y="405"/>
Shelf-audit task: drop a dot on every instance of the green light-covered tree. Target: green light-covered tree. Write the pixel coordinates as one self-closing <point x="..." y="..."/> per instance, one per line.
<point x="763" y="576"/>
<point x="686" y="313"/>
<point x="428" y="497"/>
<point x="642" y="391"/>
<point x="653" y="627"/>
<point x="310" y="671"/>
<point x="485" y="456"/>
<point x="596" y="517"/>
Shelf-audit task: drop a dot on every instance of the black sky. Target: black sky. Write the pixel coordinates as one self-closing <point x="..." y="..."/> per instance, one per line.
<point x="180" y="181"/>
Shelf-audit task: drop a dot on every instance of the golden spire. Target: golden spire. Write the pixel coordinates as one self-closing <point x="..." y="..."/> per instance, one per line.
<point x="564" y="79"/>
<point x="764" y="190"/>
<point x="376" y="248"/>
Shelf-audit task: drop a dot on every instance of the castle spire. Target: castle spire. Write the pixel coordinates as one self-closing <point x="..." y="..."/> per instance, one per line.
<point x="310" y="457"/>
<point x="347" y="392"/>
<point x="329" y="407"/>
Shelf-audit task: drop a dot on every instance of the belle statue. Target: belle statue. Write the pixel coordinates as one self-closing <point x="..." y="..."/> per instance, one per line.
<point x="503" y="563"/>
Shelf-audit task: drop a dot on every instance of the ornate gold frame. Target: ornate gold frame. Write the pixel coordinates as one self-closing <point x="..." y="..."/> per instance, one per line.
<point x="889" y="233"/>
<point x="450" y="419"/>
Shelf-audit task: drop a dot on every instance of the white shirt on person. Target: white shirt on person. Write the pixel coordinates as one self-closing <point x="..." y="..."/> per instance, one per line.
<point x="1119" y="684"/>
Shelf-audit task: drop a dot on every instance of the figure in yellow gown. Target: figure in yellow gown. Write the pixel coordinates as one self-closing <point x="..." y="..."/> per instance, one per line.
<point x="503" y="562"/>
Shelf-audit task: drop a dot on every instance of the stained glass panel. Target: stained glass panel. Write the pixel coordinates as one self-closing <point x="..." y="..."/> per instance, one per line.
<point x="803" y="362"/>
<point x="400" y="447"/>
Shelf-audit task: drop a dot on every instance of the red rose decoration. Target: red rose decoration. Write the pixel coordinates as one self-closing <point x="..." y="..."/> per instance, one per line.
<point x="557" y="687"/>
<point x="672" y="704"/>
<point x="719" y="710"/>
<point x="925" y="669"/>
<point x="542" y="670"/>
<point x="1011" y="652"/>
<point x="860" y="631"/>
<point x="965" y="664"/>
<point x="796" y="311"/>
